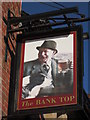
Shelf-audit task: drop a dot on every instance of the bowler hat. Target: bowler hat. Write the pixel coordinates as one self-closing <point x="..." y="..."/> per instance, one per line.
<point x="48" y="44"/>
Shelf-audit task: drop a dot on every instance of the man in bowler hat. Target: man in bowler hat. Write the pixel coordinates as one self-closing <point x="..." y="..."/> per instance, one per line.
<point x="40" y="72"/>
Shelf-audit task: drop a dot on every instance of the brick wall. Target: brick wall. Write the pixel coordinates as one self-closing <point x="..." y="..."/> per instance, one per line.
<point x="0" y="62"/>
<point x="15" y="7"/>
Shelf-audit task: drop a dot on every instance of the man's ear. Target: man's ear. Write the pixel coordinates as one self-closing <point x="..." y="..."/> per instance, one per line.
<point x="54" y="52"/>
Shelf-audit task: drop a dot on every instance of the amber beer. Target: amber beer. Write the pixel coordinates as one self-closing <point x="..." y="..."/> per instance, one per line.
<point x="63" y="65"/>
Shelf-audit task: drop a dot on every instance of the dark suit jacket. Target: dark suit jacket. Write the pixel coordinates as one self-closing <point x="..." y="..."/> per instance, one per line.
<point x="62" y="83"/>
<point x="34" y="67"/>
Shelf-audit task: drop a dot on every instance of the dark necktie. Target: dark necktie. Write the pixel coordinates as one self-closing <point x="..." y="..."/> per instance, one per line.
<point x="46" y="67"/>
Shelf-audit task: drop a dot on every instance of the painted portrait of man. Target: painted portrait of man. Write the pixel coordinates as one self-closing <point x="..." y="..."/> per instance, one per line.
<point x="48" y="68"/>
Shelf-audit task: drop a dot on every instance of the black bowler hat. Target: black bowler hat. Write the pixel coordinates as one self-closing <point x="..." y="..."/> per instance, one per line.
<point x="48" y="44"/>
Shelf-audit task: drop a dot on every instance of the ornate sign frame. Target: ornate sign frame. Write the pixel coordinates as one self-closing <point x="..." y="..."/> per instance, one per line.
<point x="59" y="101"/>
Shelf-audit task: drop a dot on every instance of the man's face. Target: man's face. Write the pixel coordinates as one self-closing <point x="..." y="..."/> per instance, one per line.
<point x="45" y="55"/>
